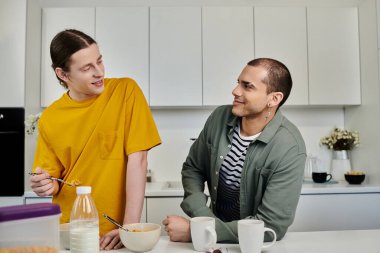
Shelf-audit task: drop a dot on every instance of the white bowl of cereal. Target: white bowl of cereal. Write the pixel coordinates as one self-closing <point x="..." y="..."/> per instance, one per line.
<point x="140" y="237"/>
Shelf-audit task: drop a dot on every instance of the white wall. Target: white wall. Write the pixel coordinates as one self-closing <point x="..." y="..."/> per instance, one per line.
<point x="32" y="77"/>
<point x="366" y="118"/>
<point x="177" y="126"/>
<point x="12" y="52"/>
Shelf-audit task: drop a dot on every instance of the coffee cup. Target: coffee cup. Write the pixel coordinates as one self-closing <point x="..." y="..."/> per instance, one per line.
<point x="319" y="173"/>
<point x="203" y="233"/>
<point x="251" y="236"/>
<point x="321" y="177"/>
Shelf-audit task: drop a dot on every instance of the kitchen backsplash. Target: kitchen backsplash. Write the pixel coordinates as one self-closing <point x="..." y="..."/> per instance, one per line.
<point x="177" y="126"/>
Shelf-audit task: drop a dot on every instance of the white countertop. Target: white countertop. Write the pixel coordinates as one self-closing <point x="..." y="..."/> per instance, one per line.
<point x="174" y="189"/>
<point x="347" y="241"/>
<point x="160" y="189"/>
<point x="338" y="187"/>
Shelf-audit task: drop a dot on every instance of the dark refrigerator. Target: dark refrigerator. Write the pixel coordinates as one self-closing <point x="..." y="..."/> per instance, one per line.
<point x="12" y="143"/>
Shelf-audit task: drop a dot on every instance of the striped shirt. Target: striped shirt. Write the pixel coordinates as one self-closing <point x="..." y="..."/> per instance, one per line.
<point x="228" y="204"/>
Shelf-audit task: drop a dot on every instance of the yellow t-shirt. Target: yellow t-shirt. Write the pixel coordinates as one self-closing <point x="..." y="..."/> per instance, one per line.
<point x="90" y="140"/>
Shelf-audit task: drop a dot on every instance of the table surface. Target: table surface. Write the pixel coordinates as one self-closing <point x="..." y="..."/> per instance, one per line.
<point x="347" y="241"/>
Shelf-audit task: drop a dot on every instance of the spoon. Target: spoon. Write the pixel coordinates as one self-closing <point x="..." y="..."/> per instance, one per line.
<point x="57" y="179"/>
<point x="114" y="222"/>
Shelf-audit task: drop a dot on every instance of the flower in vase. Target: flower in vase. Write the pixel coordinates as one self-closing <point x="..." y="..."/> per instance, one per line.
<point x="31" y="123"/>
<point x="341" y="139"/>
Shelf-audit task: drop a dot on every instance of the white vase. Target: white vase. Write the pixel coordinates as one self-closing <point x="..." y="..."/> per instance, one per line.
<point x="340" y="164"/>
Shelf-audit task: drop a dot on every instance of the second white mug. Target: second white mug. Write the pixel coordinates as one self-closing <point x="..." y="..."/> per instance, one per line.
<point x="251" y="236"/>
<point x="203" y="233"/>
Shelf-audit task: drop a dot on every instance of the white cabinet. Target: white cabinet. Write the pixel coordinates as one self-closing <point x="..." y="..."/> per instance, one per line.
<point x="175" y="56"/>
<point x="55" y="20"/>
<point x="320" y="47"/>
<point x="192" y="55"/>
<point x="33" y="200"/>
<point x="11" y="201"/>
<point x="280" y="33"/>
<point x="227" y="37"/>
<point x="12" y="51"/>
<point x="123" y="37"/>
<point x="324" y="212"/>
<point x="157" y="208"/>
<point x="334" y="65"/>
<point x="37" y="199"/>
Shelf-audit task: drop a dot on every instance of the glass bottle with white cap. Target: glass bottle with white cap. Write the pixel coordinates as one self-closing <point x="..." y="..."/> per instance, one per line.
<point x="84" y="223"/>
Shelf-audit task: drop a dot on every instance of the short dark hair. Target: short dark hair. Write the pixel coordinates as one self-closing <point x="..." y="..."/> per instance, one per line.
<point x="64" y="45"/>
<point x="278" y="77"/>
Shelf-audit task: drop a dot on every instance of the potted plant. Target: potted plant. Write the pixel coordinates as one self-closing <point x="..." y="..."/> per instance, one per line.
<point x="340" y="141"/>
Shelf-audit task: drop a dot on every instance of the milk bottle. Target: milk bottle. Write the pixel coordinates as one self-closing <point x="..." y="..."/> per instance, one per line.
<point x="84" y="223"/>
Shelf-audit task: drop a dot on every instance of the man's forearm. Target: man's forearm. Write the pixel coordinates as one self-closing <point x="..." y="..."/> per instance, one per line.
<point x="135" y="186"/>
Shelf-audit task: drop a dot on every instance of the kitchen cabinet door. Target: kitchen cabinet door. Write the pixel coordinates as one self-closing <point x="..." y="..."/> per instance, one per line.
<point x="33" y="200"/>
<point x="334" y="65"/>
<point x="327" y="212"/>
<point x="11" y="201"/>
<point x="55" y="20"/>
<point x="175" y="56"/>
<point x="158" y="208"/>
<point x="12" y="51"/>
<point x="227" y="37"/>
<point x="280" y="33"/>
<point x="123" y="37"/>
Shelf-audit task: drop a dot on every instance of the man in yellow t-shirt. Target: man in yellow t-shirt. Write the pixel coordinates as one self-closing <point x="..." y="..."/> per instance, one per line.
<point x="98" y="134"/>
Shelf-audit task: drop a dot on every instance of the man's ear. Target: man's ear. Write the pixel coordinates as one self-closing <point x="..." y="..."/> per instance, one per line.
<point x="61" y="74"/>
<point x="277" y="97"/>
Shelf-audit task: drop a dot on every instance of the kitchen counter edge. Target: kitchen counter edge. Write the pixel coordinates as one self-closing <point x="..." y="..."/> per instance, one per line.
<point x="160" y="189"/>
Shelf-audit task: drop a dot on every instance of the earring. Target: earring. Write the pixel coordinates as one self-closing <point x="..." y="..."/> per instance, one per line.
<point x="268" y="115"/>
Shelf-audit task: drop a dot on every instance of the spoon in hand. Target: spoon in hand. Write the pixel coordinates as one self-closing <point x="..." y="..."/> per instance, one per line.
<point x="114" y="222"/>
<point x="75" y="183"/>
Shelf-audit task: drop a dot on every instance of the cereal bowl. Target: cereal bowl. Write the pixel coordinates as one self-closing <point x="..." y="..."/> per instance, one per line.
<point x="140" y="237"/>
<point x="354" y="179"/>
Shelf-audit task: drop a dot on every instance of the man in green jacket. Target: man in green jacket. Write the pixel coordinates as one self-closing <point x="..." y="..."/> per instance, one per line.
<point x="250" y="155"/>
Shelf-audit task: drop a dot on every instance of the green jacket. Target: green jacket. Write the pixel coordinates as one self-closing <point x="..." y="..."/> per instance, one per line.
<point x="271" y="179"/>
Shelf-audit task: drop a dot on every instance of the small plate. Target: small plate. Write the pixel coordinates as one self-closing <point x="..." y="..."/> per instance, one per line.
<point x="310" y="181"/>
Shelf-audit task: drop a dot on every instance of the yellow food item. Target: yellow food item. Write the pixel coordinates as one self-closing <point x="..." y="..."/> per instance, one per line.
<point x="355" y="173"/>
<point x="138" y="230"/>
<point x="76" y="182"/>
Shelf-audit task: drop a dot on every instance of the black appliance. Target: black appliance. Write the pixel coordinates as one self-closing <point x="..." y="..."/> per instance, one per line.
<point x="12" y="143"/>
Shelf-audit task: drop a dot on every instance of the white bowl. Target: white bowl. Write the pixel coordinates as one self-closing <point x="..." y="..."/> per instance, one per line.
<point x="140" y="237"/>
<point x="64" y="235"/>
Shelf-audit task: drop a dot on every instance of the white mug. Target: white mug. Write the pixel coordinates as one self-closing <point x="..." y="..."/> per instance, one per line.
<point x="251" y="236"/>
<point x="203" y="233"/>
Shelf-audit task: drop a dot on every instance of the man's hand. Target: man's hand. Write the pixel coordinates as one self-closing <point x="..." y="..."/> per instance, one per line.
<point x="41" y="184"/>
<point x="111" y="241"/>
<point x="178" y="228"/>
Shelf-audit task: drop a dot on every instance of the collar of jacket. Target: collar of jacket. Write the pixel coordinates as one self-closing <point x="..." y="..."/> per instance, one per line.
<point x="269" y="130"/>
